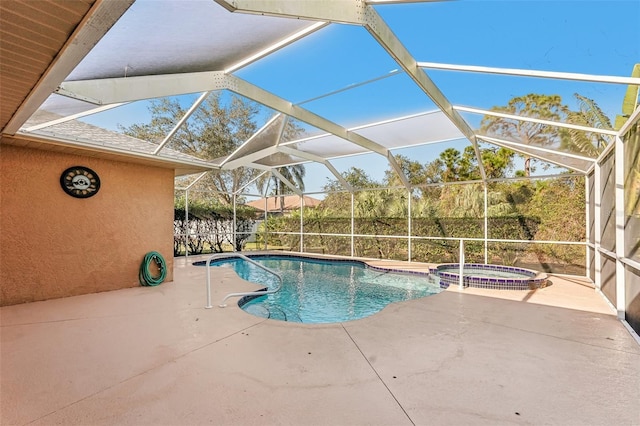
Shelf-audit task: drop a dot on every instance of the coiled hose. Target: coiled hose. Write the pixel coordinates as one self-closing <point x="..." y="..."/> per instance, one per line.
<point x="146" y="279"/>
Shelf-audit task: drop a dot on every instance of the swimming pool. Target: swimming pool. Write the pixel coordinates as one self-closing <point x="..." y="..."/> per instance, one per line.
<point x="326" y="291"/>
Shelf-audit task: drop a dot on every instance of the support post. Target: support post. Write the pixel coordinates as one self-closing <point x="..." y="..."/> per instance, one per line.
<point x="621" y="302"/>
<point x="486" y="224"/>
<point x="235" y="223"/>
<point x="266" y="230"/>
<point x="410" y="192"/>
<point x="186" y="224"/>
<point x="352" y="223"/>
<point x="460" y="274"/>
<point x="587" y="215"/>
<point x="597" y="176"/>
<point x="301" y="223"/>
<point x="208" y="266"/>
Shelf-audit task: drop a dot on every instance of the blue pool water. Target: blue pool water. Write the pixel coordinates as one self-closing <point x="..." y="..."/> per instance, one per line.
<point x="324" y="291"/>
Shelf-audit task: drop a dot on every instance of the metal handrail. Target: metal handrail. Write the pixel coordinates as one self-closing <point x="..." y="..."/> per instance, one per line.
<point x="250" y="293"/>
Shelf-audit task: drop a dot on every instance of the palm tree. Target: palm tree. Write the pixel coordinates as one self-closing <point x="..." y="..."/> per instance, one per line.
<point x="294" y="174"/>
<point x="546" y="107"/>
<point x="590" y="115"/>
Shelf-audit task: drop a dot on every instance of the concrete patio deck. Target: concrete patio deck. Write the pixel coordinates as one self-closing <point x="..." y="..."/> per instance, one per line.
<point x="154" y="355"/>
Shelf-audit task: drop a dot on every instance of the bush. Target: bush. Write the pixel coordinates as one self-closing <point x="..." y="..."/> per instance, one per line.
<point x="210" y="226"/>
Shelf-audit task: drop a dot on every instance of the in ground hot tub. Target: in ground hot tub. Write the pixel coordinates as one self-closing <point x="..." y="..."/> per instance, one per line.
<point x="490" y="276"/>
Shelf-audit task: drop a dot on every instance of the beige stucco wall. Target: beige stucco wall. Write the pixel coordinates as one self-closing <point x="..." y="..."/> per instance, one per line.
<point x="54" y="245"/>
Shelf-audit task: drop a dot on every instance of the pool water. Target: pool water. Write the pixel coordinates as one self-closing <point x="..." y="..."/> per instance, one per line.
<point x="324" y="291"/>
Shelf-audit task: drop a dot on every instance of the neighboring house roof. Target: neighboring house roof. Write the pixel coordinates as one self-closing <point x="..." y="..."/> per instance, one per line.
<point x="291" y="202"/>
<point x="80" y="135"/>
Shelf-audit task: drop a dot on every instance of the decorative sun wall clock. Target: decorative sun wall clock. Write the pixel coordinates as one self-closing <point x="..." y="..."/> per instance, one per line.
<point x="80" y="182"/>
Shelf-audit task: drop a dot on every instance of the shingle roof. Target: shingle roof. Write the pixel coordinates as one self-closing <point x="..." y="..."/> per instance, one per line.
<point x="97" y="138"/>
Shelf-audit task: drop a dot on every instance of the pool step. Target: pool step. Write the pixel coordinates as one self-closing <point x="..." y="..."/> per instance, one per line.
<point x="258" y="310"/>
<point x="272" y="312"/>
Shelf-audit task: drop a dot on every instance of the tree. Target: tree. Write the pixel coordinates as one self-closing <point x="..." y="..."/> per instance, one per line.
<point x="294" y="174"/>
<point x="546" y="107"/>
<point x="496" y="161"/>
<point x="216" y="129"/>
<point x="412" y="169"/>
<point x="340" y="201"/>
<point x="453" y="166"/>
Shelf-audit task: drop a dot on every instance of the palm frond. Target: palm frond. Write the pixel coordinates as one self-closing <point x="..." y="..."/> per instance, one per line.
<point x="595" y="117"/>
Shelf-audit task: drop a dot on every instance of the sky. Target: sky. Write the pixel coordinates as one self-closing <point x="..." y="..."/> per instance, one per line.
<point x="590" y="37"/>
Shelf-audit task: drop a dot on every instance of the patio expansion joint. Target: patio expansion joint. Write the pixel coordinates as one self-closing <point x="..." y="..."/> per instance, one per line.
<point x="155" y="367"/>
<point x="377" y="374"/>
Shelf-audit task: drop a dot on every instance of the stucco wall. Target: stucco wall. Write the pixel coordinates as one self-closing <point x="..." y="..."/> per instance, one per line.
<point x="54" y="245"/>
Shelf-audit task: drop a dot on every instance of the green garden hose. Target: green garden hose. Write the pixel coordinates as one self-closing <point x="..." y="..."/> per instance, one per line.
<point x="146" y="279"/>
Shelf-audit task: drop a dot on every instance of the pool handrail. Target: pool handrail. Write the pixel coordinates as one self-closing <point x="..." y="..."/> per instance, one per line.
<point x="249" y="293"/>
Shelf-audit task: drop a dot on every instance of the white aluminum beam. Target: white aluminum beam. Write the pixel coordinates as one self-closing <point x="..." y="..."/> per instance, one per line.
<point x="538" y="148"/>
<point x="359" y="13"/>
<point x="317" y="159"/>
<point x="396" y="167"/>
<point x="486" y="222"/>
<point x="247" y="160"/>
<point x="369" y="125"/>
<point x="389" y="41"/>
<point x="126" y="89"/>
<point x="281" y="130"/>
<point x="264" y="97"/>
<point x="374" y="2"/>
<point x="276" y="46"/>
<point x="535" y="120"/>
<point x="70" y="117"/>
<point x="239" y="191"/>
<point x="284" y="180"/>
<point x="514" y="147"/>
<point x="625" y="128"/>
<point x="182" y="120"/>
<point x="587" y="226"/>
<point x="95" y="24"/>
<point x="249" y="141"/>
<point x="343" y="11"/>
<point x="264" y="192"/>
<point x="112" y="90"/>
<point x="352" y="86"/>
<point x="621" y="300"/>
<point x="203" y="174"/>
<point x="301" y="224"/>
<point x="528" y="178"/>
<point x="409" y="223"/>
<point x="605" y="152"/>
<point x="532" y="73"/>
<point x="597" y="201"/>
